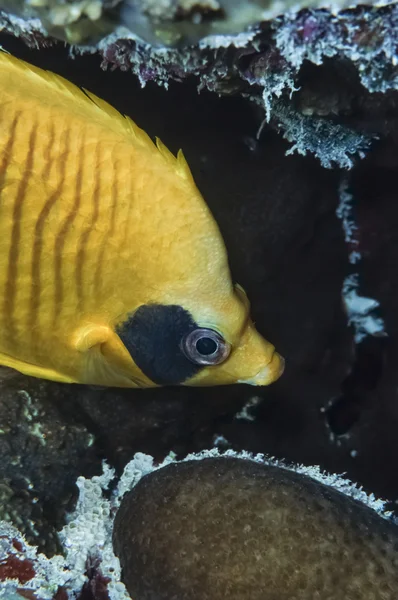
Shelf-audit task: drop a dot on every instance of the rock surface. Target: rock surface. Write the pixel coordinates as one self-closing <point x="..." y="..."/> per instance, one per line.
<point x="43" y="449"/>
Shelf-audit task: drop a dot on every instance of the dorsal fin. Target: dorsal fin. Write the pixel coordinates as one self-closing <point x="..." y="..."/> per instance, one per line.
<point x="183" y="167"/>
<point x="139" y="134"/>
<point x="88" y="100"/>
<point x="178" y="162"/>
<point x="166" y="153"/>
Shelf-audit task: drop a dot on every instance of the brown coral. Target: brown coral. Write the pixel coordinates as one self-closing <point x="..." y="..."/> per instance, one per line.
<point x="230" y="528"/>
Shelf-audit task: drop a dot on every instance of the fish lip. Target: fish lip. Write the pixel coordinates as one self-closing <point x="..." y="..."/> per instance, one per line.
<point x="265" y="372"/>
<point x="282" y="364"/>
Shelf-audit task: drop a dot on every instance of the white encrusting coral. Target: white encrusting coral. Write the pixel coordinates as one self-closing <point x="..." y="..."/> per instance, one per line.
<point x="158" y="42"/>
<point x="344" y="213"/>
<point x="245" y="413"/>
<point x="87" y="535"/>
<point x="50" y="574"/>
<point x="360" y="309"/>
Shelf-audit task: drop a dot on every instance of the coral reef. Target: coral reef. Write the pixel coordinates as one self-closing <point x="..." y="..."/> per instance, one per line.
<point x="282" y="96"/>
<point x="175" y="515"/>
<point x="227" y="527"/>
<point x="267" y="62"/>
<point x="24" y="573"/>
<point x="71" y="20"/>
<point x="41" y="455"/>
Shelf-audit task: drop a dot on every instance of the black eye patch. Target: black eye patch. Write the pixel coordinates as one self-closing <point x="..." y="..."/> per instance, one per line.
<point x="153" y="335"/>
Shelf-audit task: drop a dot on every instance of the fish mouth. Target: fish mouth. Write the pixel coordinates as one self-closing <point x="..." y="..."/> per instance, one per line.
<point x="268" y="374"/>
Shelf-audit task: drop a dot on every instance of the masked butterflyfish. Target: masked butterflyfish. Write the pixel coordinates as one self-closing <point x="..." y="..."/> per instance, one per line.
<point x="113" y="269"/>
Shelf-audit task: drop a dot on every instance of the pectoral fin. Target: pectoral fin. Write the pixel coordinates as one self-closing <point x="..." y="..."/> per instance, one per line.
<point x="107" y="361"/>
<point x="88" y="336"/>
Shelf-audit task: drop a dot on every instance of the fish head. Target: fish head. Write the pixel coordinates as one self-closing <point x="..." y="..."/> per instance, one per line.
<point x="195" y="345"/>
<point x="178" y="319"/>
<point x="240" y="354"/>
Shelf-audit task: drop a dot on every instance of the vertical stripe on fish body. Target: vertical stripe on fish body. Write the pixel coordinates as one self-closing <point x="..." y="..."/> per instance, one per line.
<point x="95" y="222"/>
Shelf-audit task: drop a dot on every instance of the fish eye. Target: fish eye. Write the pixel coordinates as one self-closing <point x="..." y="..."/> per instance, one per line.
<point x="205" y="347"/>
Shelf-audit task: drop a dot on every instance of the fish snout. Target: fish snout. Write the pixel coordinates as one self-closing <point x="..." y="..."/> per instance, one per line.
<point x="269" y="373"/>
<point x="253" y="361"/>
<point x="256" y="362"/>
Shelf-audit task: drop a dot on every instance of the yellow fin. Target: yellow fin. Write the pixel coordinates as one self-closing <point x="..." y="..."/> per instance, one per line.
<point x="33" y="370"/>
<point x="107" y="361"/>
<point x="101" y="104"/>
<point x="88" y="336"/>
<point x="98" y="371"/>
<point x="139" y="133"/>
<point x="50" y="82"/>
<point x="183" y="167"/>
<point x="178" y="162"/>
<point x="80" y="96"/>
<point x="166" y="153"/>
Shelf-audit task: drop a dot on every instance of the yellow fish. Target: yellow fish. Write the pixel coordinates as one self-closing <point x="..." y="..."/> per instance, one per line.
<point x="112" y="268"/>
